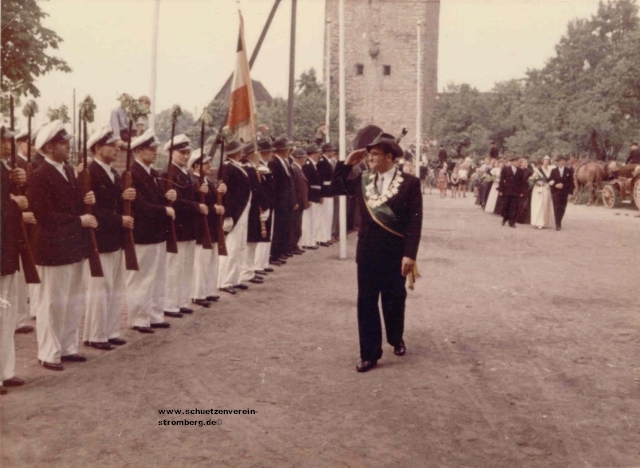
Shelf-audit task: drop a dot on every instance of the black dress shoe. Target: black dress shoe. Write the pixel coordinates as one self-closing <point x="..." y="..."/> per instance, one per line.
<point x="212" y="298"/>
<point x="312" y="247"/>
<point x="144" y="329"/>
<point x="261" y="272"/>
<point x="229" y="290"/>
<point x="269" y="270"/>
<point x="282" y="261"/>
<point x="161" y="325"/>
<point x="102" y="345"/>
<point x="256" y="280"/>
<point x="241" y="286"/>
<point x="274" y="262"/>
<point x="201" y="302"/>
<point x="117" y="341"/>
<point x="365" y="366"/>
<point x="512" y="225"/>
<point x="13" y="382"/>
<point x="173" y="314"/>
<point x="77" y="357"/>
<point x="24" y="329"/>
<point x="323" y="244"/>
<point x="186" y="310"/>
<point x="285" y="256"/>
<point x="51" y="365"/>
<point x="400" y="349"/>
<point x="298" y="252"/>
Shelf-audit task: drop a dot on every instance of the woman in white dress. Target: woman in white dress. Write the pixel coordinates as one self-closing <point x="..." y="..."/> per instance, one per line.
<point x="541" y="204"/>
<point x="493" y="193"/>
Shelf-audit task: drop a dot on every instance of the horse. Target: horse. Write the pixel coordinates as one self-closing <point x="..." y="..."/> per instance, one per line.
<point x="587" y="175"/>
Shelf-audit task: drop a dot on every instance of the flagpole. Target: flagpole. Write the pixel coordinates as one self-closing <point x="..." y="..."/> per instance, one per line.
<point x="154" y="63"/>
<point x="419" y="100"/>
<point x="292" y="66"/>
<point x="327" y="80"/>
<point x="343" y="132"/>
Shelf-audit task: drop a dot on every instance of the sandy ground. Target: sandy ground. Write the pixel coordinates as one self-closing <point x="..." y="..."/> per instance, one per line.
<point x="523" y="351"/>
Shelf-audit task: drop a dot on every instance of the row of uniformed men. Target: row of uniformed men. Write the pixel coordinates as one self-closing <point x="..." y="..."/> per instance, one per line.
<point x="261" y="192"/>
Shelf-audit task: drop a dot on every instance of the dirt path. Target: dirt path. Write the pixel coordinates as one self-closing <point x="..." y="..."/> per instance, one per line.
<point x="523" y="351"/>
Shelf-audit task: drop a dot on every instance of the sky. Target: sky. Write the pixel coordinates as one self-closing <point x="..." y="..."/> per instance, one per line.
<point x="108" y="45"/>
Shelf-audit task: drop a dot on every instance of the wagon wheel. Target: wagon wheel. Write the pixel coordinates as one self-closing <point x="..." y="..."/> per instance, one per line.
<point x="635" y="192"/>
<point x="609" y="196"/>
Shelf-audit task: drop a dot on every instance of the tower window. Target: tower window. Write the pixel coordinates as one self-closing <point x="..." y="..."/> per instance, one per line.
<point x="386" y="70"/>
<point x="359" y="69"/>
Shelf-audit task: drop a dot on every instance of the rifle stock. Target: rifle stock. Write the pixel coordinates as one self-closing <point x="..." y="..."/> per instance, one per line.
<point x="95" y="265"/>
<point x="128" y="245"/>
<point x="172" y="241"/>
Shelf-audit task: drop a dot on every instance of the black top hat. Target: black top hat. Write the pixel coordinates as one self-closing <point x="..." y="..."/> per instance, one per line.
<point x="311" y="149"/>
<point x="298" y="153"/>
<point x="388" y="144"/>
<point x="328" y="147"/>
<point x="264" y="145"/>
<point x="281" y="143"/>
<point x="233" y="147"/>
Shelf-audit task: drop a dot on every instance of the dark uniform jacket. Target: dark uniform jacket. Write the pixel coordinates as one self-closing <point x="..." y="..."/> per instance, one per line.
<point x="57" y="205"/>
<point x="315" y="181"/>
<point x="325" y="170"/>
<point x="634" y="157"/>
<point x="284" y="196"/>
<point x="566" y="180"/>
<point x="512" y="185"/>
<point x="375" y="244"/>
<point x="210" y="199"/>
<point x="149" y="207"/>
<point x="238" y="190"/>
<point x="108" y="208"/>
<point x="186" y="205"/>
<point x="258" y="201"/>
<point x="10" y="217"/>
<point x="268" y="190"/>
<point x="302" y="186"/>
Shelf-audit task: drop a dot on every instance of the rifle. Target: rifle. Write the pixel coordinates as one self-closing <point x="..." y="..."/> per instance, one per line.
<point x="24" y="246"/>
<point x="205" y="236"/>
<point x="95" y="265"/>
<point x="222" y="244"/>
<point x="172" y="242"/>
<point x="130" y="257"/>
<point x="29" y="111"/>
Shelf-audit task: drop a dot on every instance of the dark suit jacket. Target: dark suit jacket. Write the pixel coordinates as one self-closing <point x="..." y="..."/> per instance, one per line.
<point x="284" y="191"/>
<point x="149" y="207"/>
<point x="186" y="205"/>
<point x="10" y="215"/>
<point x="374" y="242"/>
<point x="238" y="191"/>
<point x="268" y="190"/>
<point x="634" y="157"/>
<point x="566" y="180"/>
<point x="302" y="186"/>
<point x="57" y="205"/>
<point x="325" y="170"/>
<point x="258" y="201"/>
<point x="315" y="181"/>
<point x="210" y="199"/>
<point x="108" y="208"/>
<point x="512" y="185"/>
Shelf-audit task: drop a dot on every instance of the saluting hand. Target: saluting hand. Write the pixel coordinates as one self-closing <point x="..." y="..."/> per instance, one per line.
<point x="407" y="265"/>
<point x="204" y="209"/>
<point x="28" y="218"/>
<point x="89" y="198"/>
<point x="19" y="176"/>
<point x="21" y="200"/>
<point x="219" y="209"/>
<point x="171" y="212"/>
<point x="127" y="222"/>
<point x="204" y="188"/>
<point x="356" y="157"/>
<point x="129" y="194"/>
<point x="89" y="221"/>
<point x="222" y="188"/>
<point x="171" y="195"/>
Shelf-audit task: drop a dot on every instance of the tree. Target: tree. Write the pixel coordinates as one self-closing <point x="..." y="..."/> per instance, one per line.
<point x="25" y="43"/>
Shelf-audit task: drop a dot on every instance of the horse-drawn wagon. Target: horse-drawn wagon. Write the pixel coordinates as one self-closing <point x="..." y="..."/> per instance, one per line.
<point x="624" y="185"/>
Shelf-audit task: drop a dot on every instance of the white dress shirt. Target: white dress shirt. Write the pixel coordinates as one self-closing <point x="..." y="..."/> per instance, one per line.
<point x="384" y="180"/>
<point x="59" y="167"/>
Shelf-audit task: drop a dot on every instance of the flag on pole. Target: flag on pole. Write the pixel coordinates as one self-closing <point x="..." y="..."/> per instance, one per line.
<point x="241" y="120"/>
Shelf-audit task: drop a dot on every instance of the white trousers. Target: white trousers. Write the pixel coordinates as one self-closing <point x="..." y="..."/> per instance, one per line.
<point x="262" y="255"/>
<point x="249" y="262"/>
<point x="205" y="272"/>
<point x="327" y="219"/>
<point x="308" y="237"/>
<point x="59" y="301"/>
<point x="8" y="309"/>
<point x="179" y="279"/>
<point x="22" y="290"/>
<point x="230" y="265"/>
<point x="318" y="224"/>
<point x="104" y="299"/>
<point x="145" y="287"/>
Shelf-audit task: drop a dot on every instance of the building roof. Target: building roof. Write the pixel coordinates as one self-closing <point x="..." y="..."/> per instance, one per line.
<point x="260" y="93"/>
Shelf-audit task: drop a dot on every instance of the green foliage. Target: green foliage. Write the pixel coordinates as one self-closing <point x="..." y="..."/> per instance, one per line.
<point x="30" y="109"/>
<point x="87" y="108"/>
<point x="25" y="43"/>
<point x="134" y="109"/>
<point x="61" y="113"/>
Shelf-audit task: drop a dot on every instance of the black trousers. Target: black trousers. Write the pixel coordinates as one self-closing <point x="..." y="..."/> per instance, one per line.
<point x="380" y="278"/>
<point x="296" y="231"/>
<point x="559" y="206"/>
<point x="510" y="208"/>
<point x="281" y="233"/>
<point x="335" y="226"/>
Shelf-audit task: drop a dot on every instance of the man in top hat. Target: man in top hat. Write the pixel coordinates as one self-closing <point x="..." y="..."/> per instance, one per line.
<point x="284" y="201"/>
<point x="237" y="203"/>
<point x="105" y="294"/>
<point x="325" y="170"/>
<point x="146" y="287"/>
<point x="258" y="215"/>
<point x="188" y="209"/>
<point x="205" y="267"/>
<point x="59" y="249"/>
<point x="634" y="155"/>
<point x="312" y="218"/>
<point x="263" y="250"/>
<point x="388" y="240"/>
<point x="301" y="226"/>
<point x="512" y="187"/>
<point x="562" y="187"/>
<point x="11" y="207"/>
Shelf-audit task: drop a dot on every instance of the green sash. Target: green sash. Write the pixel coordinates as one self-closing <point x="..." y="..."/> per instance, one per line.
<point x="381" y="214"/>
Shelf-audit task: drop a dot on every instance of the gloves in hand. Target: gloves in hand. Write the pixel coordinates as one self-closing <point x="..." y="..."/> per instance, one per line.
<point x="227" y="224"/>
<point x="265" y="215"/>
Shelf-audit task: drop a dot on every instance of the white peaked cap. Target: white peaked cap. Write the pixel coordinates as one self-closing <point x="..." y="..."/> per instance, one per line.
<point x="195" y="156"/>
<point x="50" y="131"/>
<point x="180" y="142"/>
<point x="147" y="139"/>
<point x="104" y="136"/>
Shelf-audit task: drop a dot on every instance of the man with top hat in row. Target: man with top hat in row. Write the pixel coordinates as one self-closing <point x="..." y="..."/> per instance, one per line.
<point x="105" y="294"/>
<point x="299" y="224"/>
<point x="263" y="251"/>
<point x="512" y="187"/>
<point x="388" y="240"/>
<point x="146" y="287"/>
<point x="61" y="244"/>
<point x="562" y="186"/>
<point x="284" y="200"/>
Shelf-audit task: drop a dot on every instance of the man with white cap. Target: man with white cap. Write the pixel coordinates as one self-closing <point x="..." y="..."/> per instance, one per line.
<point x="237" y="203"/>
<point x="105" y="294"/>
<point x="60" y="248"/>
<point x="205" y="266"/>
<point x="11" y="207"/>
<point x="146" y="287"/>
<point x="188" y="209"/>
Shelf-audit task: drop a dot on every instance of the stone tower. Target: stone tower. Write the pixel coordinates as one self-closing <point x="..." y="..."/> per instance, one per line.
<point x="381" y="61"/>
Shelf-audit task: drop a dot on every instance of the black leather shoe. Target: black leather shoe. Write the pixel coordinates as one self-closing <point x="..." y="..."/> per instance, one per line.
<point x="282" y="261"/>
<point x="212" y="298"/>
<point x="241" y="286"/>
<point x="312" y="247"/>
<point x="117" y="341"/>
<point x="256" y="280"/>
<point x="297" y="252"/>
<point x="201" y="302"/>
<point x="400" y="349"/>
<point x="173" y="314"/>
<point x="186" y="310"/>
<point x="323" y="244"/>
<point x="102" y="345"/>
<point x="229" y="290"/>
<point x="269" y="270"/>
<point x="285" y="256"/>
<point x="24" y="330"/>
<point x="13" y="382"/>
<point x="261" y="272"/>
<point x="51" y="365"/>
<point x="161" y="325"/>
<point x="365" y="366"/>
<point x="77" y="357"/>
<point x="512" y="225"/>
<point x="144" y="329"/>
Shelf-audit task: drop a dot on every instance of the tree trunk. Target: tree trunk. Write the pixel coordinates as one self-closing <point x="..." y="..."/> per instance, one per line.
<point x="600" y="154"/>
